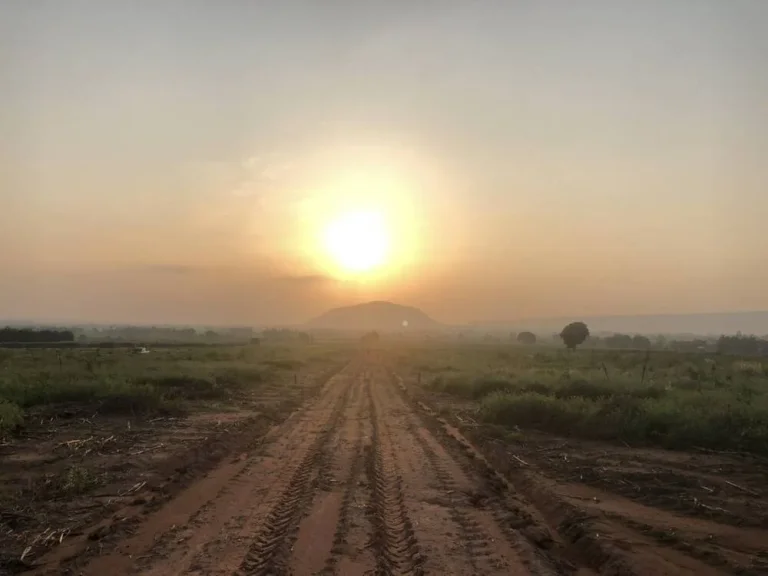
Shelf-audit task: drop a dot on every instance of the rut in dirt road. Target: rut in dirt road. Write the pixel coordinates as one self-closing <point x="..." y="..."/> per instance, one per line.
<point x="271" y="551"/>
<point x="353" y="483"/>
<point x="397" y="547"/>
<point x="460" y="521"/>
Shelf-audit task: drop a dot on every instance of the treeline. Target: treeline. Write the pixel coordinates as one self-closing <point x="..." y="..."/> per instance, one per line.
<point x="286" y="335"/>
<point x="157" y="334"/>
<point x="102" y="344"/>
<point x="737" y="345"/>
<point x="31" y="335"/>
<point x="142" y="334"/>
<point x="742" y="345"/>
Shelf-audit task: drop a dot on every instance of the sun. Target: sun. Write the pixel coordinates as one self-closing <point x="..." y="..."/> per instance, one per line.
<point x="358" y="241"/>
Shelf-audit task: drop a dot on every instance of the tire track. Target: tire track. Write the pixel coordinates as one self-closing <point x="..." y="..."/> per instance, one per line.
<point x="503" y="513"/>
<point x="270" y="552"/>
<point x="180" y="539"/>
<point x="472" y="535"/>
<point x="394" y="538"/>
<point x="350" y="491"/>
<point x="351" y="484"/>
<point x="322" y="532"/>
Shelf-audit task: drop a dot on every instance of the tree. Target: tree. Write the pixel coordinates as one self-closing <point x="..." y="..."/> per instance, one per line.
<point x="742" y="345"/>
<point x="527" y="338"/>
<point x="304" y="338"/>
<point x="370" y="338"/>
<point x="27" y="335"/>
<point x="641" y="342"/>
<point x="574" y="334"/>
<point x="619" y="341"/>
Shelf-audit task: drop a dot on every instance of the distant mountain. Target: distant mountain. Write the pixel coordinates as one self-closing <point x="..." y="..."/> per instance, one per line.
<point x="381" y="316"/>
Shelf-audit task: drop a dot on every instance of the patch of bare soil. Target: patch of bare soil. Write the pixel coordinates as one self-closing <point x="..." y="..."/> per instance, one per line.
<point x="75" y="482"/>
<point x="625" y="510"/>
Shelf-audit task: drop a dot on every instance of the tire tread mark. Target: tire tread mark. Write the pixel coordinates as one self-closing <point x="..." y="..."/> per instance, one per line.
<point x="394" y="538"/>
<point x="270" y="552"/>
<point x="472" y="535"/>
<point x="350" y="490"/>
<point x="512" y="520"/>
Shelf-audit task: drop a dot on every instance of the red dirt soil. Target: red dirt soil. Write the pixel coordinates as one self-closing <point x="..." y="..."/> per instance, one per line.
<point x="366" y="478"/>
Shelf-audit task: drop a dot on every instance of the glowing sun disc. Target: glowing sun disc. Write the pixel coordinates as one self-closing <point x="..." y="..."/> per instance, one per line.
<point x="358" y="241"/>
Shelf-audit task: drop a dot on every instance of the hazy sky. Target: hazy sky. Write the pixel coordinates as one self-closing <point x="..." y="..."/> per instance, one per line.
<point x="177" y="161"/>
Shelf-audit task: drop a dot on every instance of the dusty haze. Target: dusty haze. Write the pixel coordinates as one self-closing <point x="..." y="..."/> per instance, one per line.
<point x="174" y="162"/>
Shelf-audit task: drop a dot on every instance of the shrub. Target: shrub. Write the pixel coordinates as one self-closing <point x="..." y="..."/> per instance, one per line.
<point x="533" y="410"/>
<point x="585" y="389"/>
<point x="485" y="386"/>
<point x="672" y="422"/>
<point x="527" y="338"/>
<point x="11" y="416"/>
<point x="287" y="364"/>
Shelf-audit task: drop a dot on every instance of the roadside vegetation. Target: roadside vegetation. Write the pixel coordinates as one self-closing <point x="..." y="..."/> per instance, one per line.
<point x="656" y="398"/>
<point x="167" y="380"/>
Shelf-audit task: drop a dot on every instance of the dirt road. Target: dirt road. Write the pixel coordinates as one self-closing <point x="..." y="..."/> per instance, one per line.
<point x="358" y="481"/>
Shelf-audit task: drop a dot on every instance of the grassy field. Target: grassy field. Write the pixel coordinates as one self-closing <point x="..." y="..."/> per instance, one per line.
<point x="665" y="399"/>
<point x="117" y="381"/>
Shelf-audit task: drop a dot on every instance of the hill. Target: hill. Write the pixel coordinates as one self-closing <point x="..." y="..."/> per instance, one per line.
<point x="381" y="316"/>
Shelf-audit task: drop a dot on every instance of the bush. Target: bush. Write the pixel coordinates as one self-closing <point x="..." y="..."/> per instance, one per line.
<point x="473" y="390"/>
<point x="585" y="389"/>
<point x="11" y="416"/>
<point x="533" y="410"/>
<point x="485" y="386"/>
<point x="287" y="364"/>
<point x="533" y="386"/>
<point x="454" y="385"/>
<point x="672" y="422"/>
<point x="527" y="338"/>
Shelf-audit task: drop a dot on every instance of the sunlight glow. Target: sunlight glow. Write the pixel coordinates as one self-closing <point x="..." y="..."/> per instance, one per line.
<point x="358" y="241"/>
<point x="359" y="217"/>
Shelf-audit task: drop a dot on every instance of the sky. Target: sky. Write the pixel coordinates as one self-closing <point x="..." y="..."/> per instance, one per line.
<point x="179" y="161"/>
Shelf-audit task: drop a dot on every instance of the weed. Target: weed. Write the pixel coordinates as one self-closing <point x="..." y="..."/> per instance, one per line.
<point x="78" y="480"/>
<point x="11" y="416"/>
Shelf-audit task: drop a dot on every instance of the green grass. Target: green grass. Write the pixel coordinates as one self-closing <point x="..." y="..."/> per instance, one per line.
<point x="78" y="480"/>
<point x="682" y="400"/>
<point x="116" y="381"/>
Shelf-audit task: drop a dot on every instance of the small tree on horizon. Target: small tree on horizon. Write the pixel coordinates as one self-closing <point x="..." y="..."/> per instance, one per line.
<point x="370" y="338"/>
<point x="574" y="334"/>
<point x="527" y="338"/>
